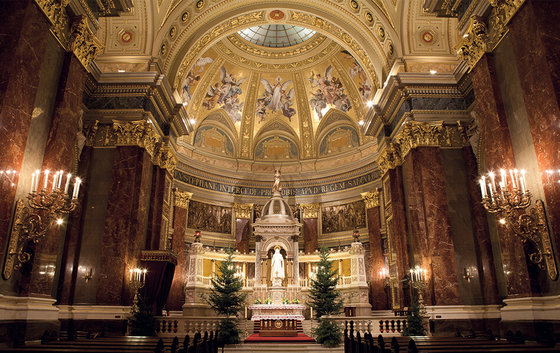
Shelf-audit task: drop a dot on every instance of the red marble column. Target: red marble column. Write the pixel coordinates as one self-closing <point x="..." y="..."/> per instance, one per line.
<point x="498" y="153"/>
<point x="60" y="152"/>
<point x="125" y="225"/>
<point x="23" y="38"/>
<point x="376" y="259"/>
<point x="396" y="225"/>
<point x="534" y="35"/>
<point x="176" y="297"/>
<point x="310" y="235"/>
<point x="430" y="224"/>
<point x="483" y="243"/>
<point x="242" y="234"/>
<point x="159" y="205"/>
<point x="72" y="244"/>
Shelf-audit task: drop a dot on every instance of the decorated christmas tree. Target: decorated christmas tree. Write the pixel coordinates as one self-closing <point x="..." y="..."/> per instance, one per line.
<point x="325" y="301"/>
<point x="414" y="321"/>
<point x="227" y="300"/>
<point x="142" y="322"/>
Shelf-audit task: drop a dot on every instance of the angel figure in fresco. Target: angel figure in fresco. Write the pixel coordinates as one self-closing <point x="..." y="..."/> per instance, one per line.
<point x="276" y="97"/>
<point x="225" y="94"/>
<point x="194" y="76"/>
<point x="327" y="90"/>
<point x="359" y="76"/>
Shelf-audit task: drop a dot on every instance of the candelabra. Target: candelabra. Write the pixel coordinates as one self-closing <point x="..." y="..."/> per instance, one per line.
<point x="33" y="220"/>
<point x="509" y="198"/>
<point x="10" y="175"/>
<point x="418" y="282"/>
<point x="137" y="281"/>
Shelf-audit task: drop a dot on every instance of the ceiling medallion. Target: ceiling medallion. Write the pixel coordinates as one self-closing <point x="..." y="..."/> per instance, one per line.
<point x="126" y="37"/>
<point x="428" y="37"/>
<point x="200" y="4"/>
<point x="172" y="31"/>
<point x="185" y="16"/>
<point x="276" y="15"/>
<point x="369" y="17"/>
<point x="354" y="5"/>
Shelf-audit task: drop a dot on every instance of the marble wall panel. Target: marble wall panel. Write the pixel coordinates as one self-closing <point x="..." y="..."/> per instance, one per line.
<point x="158" y="195"/>
<point x="176" y="297"/>
<point x="125" y="225"/>
<point x="24" y="34"/>
<point x="310" y="235"/>
<point x="536" y="44"/>
<point x="498" y="153"/>
<point x="242" y="234"/>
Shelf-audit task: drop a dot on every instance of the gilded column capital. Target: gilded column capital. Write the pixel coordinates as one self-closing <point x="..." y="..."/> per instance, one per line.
<point x="310" y="210"/>
<point x="83" y="43"/>
<point x="371" y="198"/>
<point x="243" y="210"/>
<point x="182" y="198"/>
<point x="165" y="157"/>
<point x="420" y="134"/>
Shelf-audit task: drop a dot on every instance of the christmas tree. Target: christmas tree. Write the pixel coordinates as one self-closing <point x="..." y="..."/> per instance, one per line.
<point x="325" y="301"/>
<point x="142" y="322"/>
<point x="414" y="321"/>
<point x="227" y="300"/>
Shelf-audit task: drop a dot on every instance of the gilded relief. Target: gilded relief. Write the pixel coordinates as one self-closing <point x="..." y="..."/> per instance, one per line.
<point x="357" y="74"/>
<point x="344" y="217"/>
<point x="338" y="140"/>
<point x="226" y="94"/>
<point x="327" y="91"/>
<point x="193" y="77"/>
<point x="276" y="98"/>
<point x="214" y="140"/>
<point x="209" y="218"/>
<point x="276" y="148"/>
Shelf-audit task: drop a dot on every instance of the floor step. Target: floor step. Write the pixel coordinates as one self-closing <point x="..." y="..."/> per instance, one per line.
<point x="286" y="347"/>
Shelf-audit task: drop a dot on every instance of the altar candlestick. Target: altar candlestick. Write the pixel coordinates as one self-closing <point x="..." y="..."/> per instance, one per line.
<point x="68" y="176"/>
<point x="46" y="179"/>
<point x="513" y="184"/>
<point x="483" y="187"/>
<point x="522" y="179"/>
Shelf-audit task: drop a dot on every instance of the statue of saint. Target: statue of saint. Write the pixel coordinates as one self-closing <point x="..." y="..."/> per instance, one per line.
<point x="277" y="268"/>
<point x="276" y="187"/>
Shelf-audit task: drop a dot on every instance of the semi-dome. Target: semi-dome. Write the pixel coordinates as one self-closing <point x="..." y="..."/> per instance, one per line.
<point x="276" y="209"/>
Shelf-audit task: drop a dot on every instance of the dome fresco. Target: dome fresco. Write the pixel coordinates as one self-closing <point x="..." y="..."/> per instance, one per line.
<point x="274" y="109"/>
<point x="276" y="36"/>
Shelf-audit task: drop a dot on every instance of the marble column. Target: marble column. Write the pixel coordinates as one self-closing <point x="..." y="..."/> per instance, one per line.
<point x="310" y="217"/>
<point x="24" y="32"/>
<point x="534" y="36"/>
<point x="125" y="224"/>
<point x="395" y="219"/>
<point x="243" y="214"/>
<point x="176" y="297"/>
<point x="483" y="243"/>
<point x="376" y="257"/>
<point x="60" y="154"/>
<point x="430" y="225"/>
<point x="498" y="153"/>
<point x="158" y="224"/>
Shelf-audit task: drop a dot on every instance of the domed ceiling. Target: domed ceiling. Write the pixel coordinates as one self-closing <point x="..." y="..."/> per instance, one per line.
<point x="276" y="93"/>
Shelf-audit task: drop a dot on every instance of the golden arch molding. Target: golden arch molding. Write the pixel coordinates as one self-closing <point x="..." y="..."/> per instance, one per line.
<point x="234" y="24"/>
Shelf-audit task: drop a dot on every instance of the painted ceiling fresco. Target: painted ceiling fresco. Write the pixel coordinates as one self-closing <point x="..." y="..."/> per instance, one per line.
<point x="276" y="104"/>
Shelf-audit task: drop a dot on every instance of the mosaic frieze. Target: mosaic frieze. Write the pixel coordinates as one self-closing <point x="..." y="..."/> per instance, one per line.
<point x="211" y="218"/>
<point x="343" y="217"/>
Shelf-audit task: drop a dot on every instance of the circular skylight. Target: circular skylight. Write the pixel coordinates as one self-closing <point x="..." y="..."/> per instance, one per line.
<point x="276" y="36"/>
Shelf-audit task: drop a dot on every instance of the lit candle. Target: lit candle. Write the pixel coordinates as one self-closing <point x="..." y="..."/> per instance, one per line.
<point x="131" y="270"/>
<point x="46" y="179"/>
<point x="513" y="178"/>
<point x="482" y="187"/>
<point x="37" y="175"/>
<point x="76" y="187"/>
<point x="68" y="176"/>
<point x="32" y="181"/>
<point x="491" y="193"/>
<point x="60" y="178"/>
<point x="492" y="182"/>
<point x="424" y="274"/>
<point x="504" y="177"/>
<point x="55" y="181"/>
<point x="411" y="274"/>
<point x="144" y="275"/>
<point x="523" y="184"/>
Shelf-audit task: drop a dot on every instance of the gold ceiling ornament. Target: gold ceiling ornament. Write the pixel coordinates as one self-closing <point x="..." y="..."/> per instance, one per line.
<point x="243" y="210"/>
<point x="420" y="134"/>
<point x="310" y="210"/>
<point x="371" y="198"/>
<point x="306" y="125"/>
<point x="277" y="53"/>
<point x="475" y="41"/>
<point x="132" y="133"/>
<point x="73" y="35"/>
<point x="83" y="43"/>
<point x="248" y="121"/>
<point x="239" y="22"/>
<point x="480" y="37"/>
<point x="182" y="198"/>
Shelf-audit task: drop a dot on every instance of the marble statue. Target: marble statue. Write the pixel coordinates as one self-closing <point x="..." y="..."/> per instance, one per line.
<point x="277" y="269"/>
<point x="276" y="187"/>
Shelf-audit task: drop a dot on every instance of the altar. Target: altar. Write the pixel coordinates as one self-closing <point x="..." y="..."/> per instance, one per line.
<point x="282" y="320"/>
